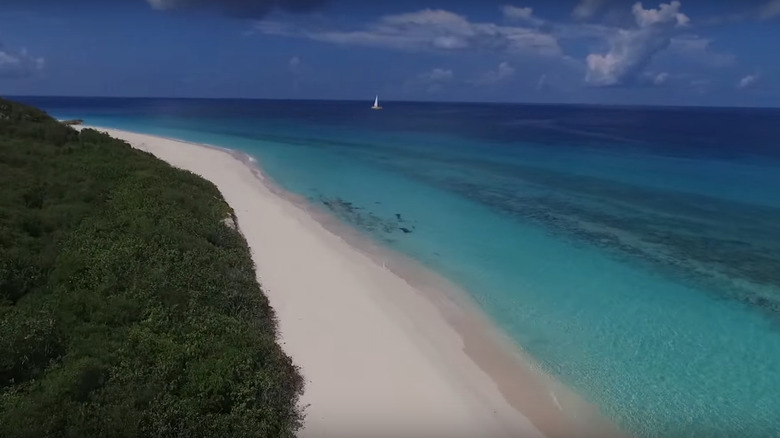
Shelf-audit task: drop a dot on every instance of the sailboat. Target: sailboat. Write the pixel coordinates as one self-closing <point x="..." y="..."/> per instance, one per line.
<point x="376" y="104"/>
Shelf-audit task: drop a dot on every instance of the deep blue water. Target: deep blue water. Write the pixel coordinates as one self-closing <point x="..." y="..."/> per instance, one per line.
<point x="633" y="252"/>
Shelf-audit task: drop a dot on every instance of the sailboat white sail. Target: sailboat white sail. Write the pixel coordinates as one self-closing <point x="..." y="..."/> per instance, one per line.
<point x="376" y="103"/>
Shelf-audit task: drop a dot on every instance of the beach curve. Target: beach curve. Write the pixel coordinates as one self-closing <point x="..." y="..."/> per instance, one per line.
<point x="382" y="350"/>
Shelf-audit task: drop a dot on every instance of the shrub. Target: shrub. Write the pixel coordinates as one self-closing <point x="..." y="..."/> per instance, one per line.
<point x="127" y="307"/>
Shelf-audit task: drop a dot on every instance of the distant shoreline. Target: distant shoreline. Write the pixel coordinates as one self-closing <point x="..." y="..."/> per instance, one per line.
<point x="484" y="381"/>
<point x="396" y="102"/>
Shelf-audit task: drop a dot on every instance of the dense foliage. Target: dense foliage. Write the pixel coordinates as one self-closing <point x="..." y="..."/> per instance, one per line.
<point x="128" y="306"/>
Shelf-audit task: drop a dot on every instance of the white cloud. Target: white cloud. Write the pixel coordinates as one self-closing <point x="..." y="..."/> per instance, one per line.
<point x="503" y="72"/>
<point x="770" y="10"/>
<point x="437" y="74"/>
<point x="660" y="78"/>
<point x="524" y="14"/>
<point x="690" y="43"/>
<point x="666" y="13"/>
<point x="657" y="78"/>
<point x="428" y="30"/>
<point x="431" y="81"/>
<point x="631" y="50"/>
<point x="747" y="81"/>
<point x="587" y="8"/>
<point x="19" y="64"/>
<point x="517" y="13"/>
<point x="294" y="62"/>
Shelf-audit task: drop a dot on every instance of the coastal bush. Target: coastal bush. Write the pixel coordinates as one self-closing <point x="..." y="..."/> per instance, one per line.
<point x="128" y="308"/>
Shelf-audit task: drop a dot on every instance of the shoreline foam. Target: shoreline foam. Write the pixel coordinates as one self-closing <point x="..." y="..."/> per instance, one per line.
<point x="497" y="385"/>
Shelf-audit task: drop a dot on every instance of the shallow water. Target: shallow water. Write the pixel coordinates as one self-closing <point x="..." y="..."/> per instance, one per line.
<point x="634" y="253"/>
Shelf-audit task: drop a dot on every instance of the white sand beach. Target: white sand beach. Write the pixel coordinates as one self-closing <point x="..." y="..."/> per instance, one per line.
<point x="380" y="357"/>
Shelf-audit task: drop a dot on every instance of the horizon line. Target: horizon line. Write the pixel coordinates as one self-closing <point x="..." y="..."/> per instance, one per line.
<point x="473" y="102"/>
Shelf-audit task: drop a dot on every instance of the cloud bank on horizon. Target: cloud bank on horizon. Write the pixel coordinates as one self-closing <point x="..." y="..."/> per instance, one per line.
<point x="433" y="30"/>
<point x="15" y="64"/>
<point x="630" y="49"/>
<point x="587" y="49"/>
<point x="627" y="50"/>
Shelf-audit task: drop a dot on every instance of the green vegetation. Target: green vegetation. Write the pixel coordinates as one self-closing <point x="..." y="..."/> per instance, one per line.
<point x="128" y="307"/>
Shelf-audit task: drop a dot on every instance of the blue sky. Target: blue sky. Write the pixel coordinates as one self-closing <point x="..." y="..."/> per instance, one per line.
<point x="687" y="52"/>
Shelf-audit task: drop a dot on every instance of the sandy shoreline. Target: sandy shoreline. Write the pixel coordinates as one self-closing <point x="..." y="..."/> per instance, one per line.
<point x="386" y="347"/>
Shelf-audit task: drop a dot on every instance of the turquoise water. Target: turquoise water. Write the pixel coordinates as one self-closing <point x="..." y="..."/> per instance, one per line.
<point x="646" y="278"/>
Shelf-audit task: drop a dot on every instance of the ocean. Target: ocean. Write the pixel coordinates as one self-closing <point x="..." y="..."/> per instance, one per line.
<point x="633" y="252"/>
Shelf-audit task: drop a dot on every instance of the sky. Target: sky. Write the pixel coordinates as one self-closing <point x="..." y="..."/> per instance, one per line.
<point x="613" y="52"/>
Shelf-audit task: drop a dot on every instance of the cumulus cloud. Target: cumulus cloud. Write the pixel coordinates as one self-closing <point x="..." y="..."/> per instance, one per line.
<point x="770" y="10"/>
<point x="503" y="72"/>
<point x="18" y="64"/>
<point x="521" y="14"/>
<point x="517" y="13"/>
<point x="437" y="75"/>
<point x="631" y="50"/>
<point x="432" y="81"/>
<point x="240" y="8"/>
<point x="660" y="78"/>
<point x="427" y="30"/>
<point x="747" y="81"/>
<point x="690" y="43"/>
<point x="587" y="8"/>
<point x="657" y="79"/>
<point x="666" y="13"/>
